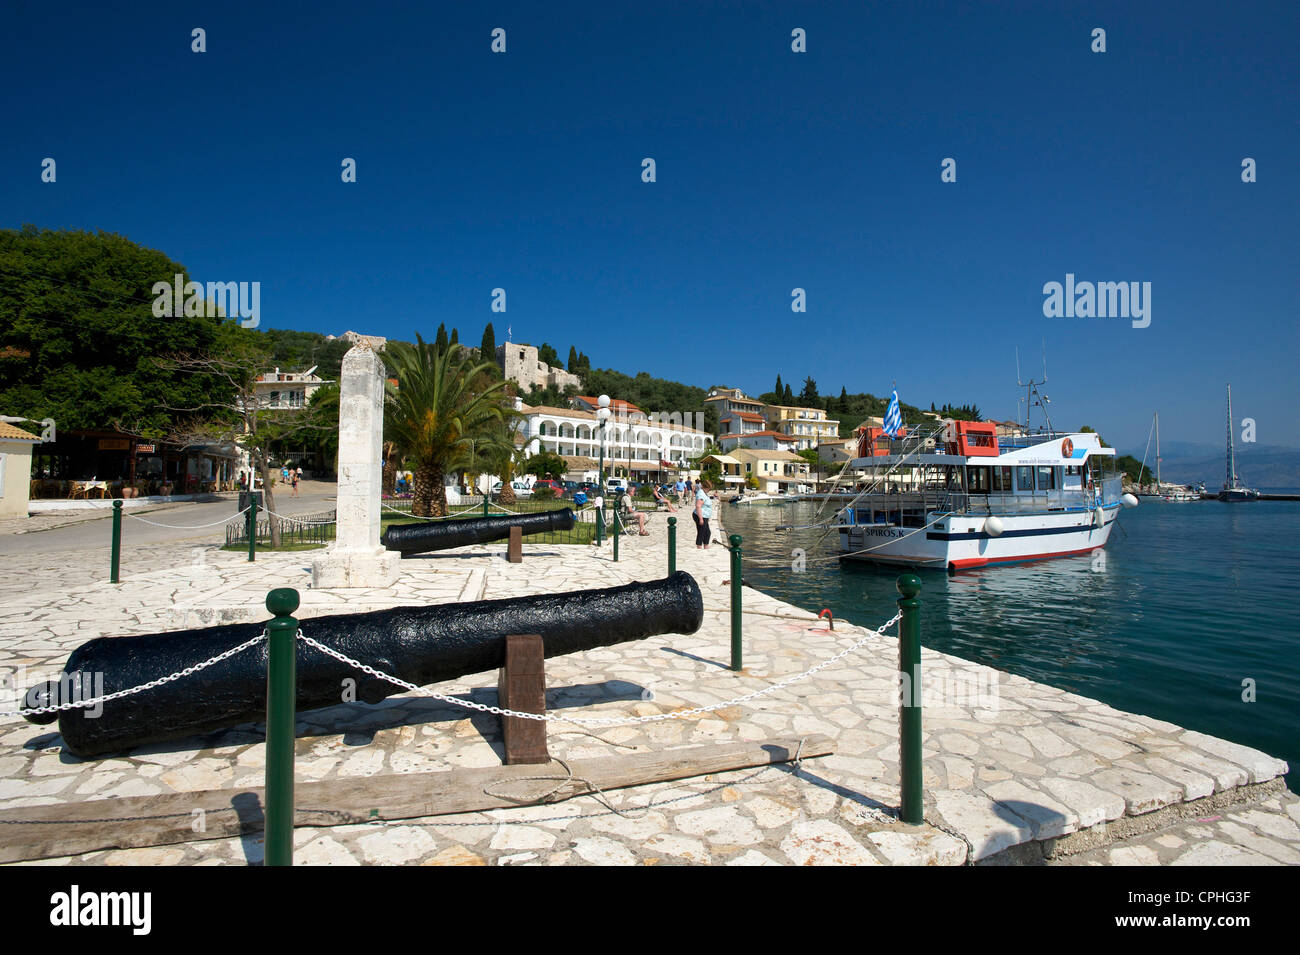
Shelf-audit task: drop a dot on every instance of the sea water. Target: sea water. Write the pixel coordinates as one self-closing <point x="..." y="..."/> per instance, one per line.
<point x="1187" y="615"/>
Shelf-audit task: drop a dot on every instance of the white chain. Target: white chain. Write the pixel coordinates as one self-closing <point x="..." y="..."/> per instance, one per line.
<point x="599" y="721"/>
<point x="185" y="527"/>
<point x="118" y="694"/>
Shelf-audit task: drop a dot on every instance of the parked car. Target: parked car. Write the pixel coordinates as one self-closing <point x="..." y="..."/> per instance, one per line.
<point x="570" y="488"/>
<point x="590" y="488"/>
<point x="552" y="486"/>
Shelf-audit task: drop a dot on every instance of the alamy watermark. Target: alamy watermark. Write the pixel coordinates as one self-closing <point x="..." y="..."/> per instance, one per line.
<point x="1072" y="299"/>
<point x="194" y="299"/>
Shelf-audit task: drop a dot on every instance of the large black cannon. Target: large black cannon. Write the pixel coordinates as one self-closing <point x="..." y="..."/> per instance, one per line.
<point x="421" y="645"/>
<point x="441" y="535"/>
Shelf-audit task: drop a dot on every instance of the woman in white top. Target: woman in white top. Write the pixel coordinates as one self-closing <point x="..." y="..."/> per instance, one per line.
<point x="703" y="511"/>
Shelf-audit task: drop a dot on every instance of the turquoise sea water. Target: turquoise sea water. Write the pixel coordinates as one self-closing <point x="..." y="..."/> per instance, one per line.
<point x="1188" y="602"/>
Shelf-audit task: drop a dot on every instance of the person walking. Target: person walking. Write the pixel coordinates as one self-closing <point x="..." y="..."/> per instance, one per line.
<point x="295" y="474"/>
<point x="703" y="511"/>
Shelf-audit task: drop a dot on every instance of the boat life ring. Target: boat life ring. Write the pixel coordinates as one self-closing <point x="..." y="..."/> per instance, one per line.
<point x="1067" y="448"/>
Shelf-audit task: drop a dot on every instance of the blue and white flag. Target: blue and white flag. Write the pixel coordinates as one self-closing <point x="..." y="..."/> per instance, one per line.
<point x="893" y="417"/>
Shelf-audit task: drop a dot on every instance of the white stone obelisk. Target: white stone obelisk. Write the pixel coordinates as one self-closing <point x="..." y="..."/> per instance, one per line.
<point x="356" y="559"/>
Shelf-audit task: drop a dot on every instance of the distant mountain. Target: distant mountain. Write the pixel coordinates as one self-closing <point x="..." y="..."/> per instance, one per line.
<point x="1258" y="465"/>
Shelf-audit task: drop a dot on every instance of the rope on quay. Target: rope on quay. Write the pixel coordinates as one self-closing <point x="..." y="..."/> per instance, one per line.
<point x="600" y="721"/>
<point x="119" y="694"/>
<point x="186" y="527"/>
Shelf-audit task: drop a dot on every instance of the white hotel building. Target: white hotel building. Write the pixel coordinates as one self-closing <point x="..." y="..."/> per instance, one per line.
<point x="637" y="445"/>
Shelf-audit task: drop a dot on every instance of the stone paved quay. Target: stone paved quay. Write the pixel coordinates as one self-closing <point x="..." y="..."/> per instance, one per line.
<point x="1031" y="774"/>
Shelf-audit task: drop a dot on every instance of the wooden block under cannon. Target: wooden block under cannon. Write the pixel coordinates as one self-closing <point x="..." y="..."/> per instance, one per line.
<point x="521" y="685"/>
<point x="515" y="550"/>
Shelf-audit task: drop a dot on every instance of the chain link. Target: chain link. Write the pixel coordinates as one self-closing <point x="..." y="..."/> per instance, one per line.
<point x="119" y="694"/>
<point x="598" y="721"/>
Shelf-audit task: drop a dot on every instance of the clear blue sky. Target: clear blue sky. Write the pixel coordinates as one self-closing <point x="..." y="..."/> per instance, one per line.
<point x="775" y="170"/>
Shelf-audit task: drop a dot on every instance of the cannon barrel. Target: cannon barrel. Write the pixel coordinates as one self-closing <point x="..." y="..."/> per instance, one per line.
<point x="421" y="645"/>
<point x="441" y="535"/>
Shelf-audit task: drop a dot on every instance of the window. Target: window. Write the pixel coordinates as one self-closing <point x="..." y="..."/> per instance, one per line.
<point x="1002" y="480"/>
<point x="1025" y="479"/>
<point x="1046" y="478"/>
<point x="978" y="480"/>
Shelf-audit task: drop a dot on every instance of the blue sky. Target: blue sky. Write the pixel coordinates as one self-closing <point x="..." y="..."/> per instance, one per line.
<point x="775" y="170"/>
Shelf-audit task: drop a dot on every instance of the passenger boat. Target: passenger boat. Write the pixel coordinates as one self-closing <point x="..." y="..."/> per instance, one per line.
<point x="960" y="496"/>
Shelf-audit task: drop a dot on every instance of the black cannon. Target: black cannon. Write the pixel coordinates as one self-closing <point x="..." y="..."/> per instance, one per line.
<point x="421" y="645"/>
<point x="441" y="535"/>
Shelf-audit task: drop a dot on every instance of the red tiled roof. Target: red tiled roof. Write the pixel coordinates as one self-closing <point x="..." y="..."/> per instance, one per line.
<point x="744" y="416"/>
<point x="616" y="405"/>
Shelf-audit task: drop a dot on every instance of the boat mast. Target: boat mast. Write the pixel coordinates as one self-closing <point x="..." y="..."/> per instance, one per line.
<point x="1232" y="452"/>
<point x="1157" y="452"/>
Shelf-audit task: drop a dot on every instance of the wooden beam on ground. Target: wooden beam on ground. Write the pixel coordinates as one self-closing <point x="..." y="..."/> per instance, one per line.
<point x="41" y="832"/>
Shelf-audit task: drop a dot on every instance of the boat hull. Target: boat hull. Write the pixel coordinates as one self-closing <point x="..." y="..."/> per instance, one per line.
<point x="959" y="542"/>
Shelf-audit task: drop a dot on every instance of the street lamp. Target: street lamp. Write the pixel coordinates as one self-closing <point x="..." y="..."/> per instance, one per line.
<point x="602" y="414"/>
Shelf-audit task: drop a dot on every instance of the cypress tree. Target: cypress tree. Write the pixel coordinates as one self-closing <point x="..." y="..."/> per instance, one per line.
<point x="440" y="342"/>
<point x="488" y="350"/>
<point x="573" y="360"/>
<point x="455" y="337"/>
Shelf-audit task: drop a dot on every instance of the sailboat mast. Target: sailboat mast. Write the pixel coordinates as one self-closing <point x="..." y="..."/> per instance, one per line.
<point x="1157" y="452"/>
<point x="1232" y="453"/>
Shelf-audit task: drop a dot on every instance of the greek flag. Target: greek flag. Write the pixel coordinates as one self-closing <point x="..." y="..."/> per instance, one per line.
<point x="893" y="417"/>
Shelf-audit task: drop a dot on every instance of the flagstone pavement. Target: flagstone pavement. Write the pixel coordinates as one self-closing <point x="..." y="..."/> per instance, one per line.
<point x="1018" y="773"/>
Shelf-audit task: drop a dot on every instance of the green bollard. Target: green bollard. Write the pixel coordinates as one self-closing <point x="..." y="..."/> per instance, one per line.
<point x="735" y="602"/>
<point x="281" y="697"/>
<point x="616" y="531"/>
<point x="117" y="542"/>
<point x="909" y="707"/>
<point x="600" y="523"/>
<point x="485" y="504"/>
<point x="252" y="525"/>
<point x="672" y="546"/>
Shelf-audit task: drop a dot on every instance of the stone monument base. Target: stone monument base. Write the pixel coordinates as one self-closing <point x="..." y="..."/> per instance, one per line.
<point x="355" y="568"/>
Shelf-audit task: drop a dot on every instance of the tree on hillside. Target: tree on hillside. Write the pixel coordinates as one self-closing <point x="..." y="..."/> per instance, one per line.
<point x="455" y="337"/>
<point x="444" y="402"/>
<point x="488" y="349"/>
<point x="548" y="355"/>
<point x="788" y="397"/>
<point x="778" y="390"/>
<point x="573" y="360"/>
<point x="440" y="341"/>
<point x="78" y="334"/>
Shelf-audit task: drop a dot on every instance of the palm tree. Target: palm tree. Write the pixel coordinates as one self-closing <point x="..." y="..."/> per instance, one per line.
<point x="445" y="403"/>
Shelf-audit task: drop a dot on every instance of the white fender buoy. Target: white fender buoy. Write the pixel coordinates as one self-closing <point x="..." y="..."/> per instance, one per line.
<point x="993" y="526"/>
<point x="1099" y="516"/>
<point x="1128" y="500"/>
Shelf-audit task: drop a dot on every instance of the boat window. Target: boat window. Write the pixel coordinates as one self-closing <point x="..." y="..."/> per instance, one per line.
<point x="1025" y="479"/>
<point x="1002" y="480"/>
<point x="978" y="480"/>
<point x="1046" y="478"/>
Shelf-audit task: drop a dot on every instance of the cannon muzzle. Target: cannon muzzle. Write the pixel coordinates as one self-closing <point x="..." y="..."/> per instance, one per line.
<point x="421" y="645"/>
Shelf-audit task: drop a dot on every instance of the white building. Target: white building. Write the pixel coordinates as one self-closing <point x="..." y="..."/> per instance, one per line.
<point x="287" y="389"/>
<point x="15" y="470"/>
<point x="637" y="446"/>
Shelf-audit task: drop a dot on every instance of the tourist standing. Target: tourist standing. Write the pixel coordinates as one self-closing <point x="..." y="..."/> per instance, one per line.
<point x="703" y="511"/>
